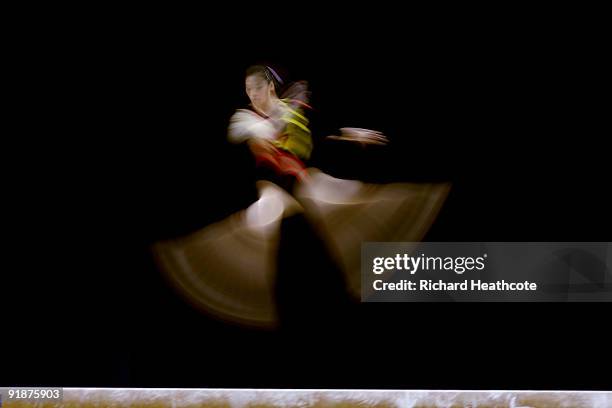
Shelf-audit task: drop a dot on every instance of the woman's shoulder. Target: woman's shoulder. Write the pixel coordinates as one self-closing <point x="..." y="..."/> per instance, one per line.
<point x="294" y="104"/>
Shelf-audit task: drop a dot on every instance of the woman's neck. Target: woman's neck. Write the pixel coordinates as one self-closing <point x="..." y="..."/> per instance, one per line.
<point x="269" y="108"/>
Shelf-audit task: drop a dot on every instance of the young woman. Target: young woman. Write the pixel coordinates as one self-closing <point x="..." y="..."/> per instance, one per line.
<point x="276" y="129"/>
<point x="229" y="269"/>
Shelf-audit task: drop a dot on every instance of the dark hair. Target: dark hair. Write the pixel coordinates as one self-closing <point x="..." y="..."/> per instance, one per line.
<point x="267" y="73"/>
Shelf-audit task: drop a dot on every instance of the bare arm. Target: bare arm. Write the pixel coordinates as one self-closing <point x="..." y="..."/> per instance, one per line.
<point x="361" y="136"/>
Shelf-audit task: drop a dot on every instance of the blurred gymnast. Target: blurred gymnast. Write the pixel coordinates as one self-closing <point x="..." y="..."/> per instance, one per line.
<point x="229" y="268"/>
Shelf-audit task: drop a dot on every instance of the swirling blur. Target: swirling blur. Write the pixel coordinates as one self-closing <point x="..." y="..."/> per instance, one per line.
<point x="228" y="269"/>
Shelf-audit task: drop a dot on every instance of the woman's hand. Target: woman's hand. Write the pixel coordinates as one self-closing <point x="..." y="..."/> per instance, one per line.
<point x="298" y="91"/>
<point x="361" y="136"/>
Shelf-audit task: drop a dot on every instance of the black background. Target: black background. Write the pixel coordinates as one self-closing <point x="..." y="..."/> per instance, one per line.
<point x="132" y="149"/>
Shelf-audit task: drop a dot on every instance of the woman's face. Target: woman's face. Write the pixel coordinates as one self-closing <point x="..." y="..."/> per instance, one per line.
<point x="259" y="91"/>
